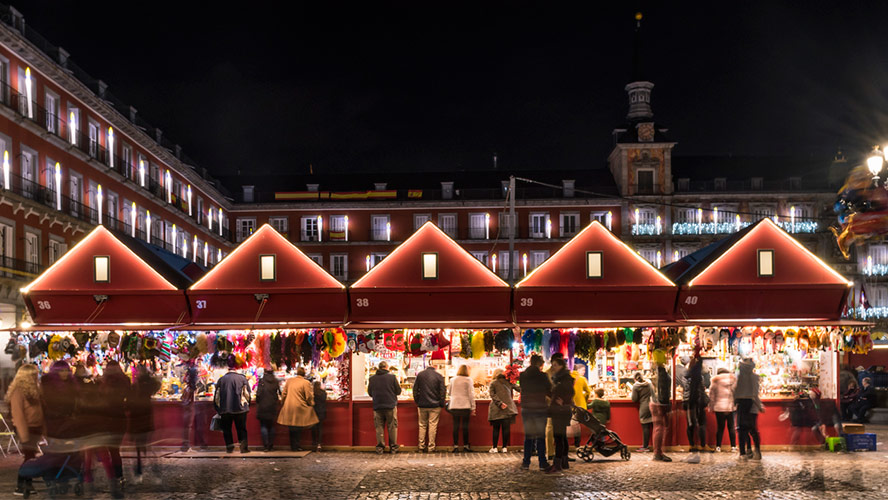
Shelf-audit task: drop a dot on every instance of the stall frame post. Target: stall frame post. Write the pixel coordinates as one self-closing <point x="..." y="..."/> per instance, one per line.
<point x="351" y="401"/>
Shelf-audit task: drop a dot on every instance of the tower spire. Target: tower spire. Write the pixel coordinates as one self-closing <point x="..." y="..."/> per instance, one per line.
<point x="639" y="89"/>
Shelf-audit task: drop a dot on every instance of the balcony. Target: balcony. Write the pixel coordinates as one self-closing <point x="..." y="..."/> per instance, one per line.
<point x="18" y="269"/>
<point x="646" y="229"/>
<point x="477" y="233"/>
<point x="379" y="234"/>
<point x="685" y="228"/>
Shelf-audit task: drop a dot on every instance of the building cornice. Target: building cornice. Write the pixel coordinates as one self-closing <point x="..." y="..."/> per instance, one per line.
<point x="243" y="208"/>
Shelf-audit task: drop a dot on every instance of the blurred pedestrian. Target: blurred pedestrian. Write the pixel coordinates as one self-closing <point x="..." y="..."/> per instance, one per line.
<point x="23" y="396"/>
<point x="661" y="404"/>
<point x="268" y="398"/>
<point x="461" y="406"/>
<point x="502" y="410"/>
<point x="429" y="394"/>
<point x="232" y="403"/>
<point x="59" y="401"/>
<point x="192" y="414"/>
<point x="384" y="389"/>
<point x="320" y="409"/>
<point x="560" y="412"/>
<point x="296" y="410"/>
<point x="115" y="390"/>
<point x="535" y="389"/>
<point x="827" y="413"/>
<point x="721" y="401"/>
<point x="141" y="412"/>
<point x="801" y="415"/>
<point x="746" y="398"/>
<point x="695" y="402"/>
<point x="641" y="395"/>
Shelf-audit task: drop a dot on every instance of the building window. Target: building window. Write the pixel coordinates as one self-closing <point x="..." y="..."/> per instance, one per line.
<point x="481" y="256"/>
<point x="339" y="266"/>
<point x="338" y="228"/>
<point x="650" y="255"/>
<point x="318" y="258"/>
<point x="604" y="218"/>
<point x="762" y="211"/>
<point x="447" y="190"/>
<point x="684" y="184"/>
<point x="538" y="225"/>
<point x="7" y="246"/>
<point x="267" y="268"/>
<point x="32" y="251"/>
<point x="430" y="266"/>
<point x="379" y="227"/>
<point x="478" y="229"/>
<point x="93" y="129"/>
<point x="376" y="258"/>
<point x="593" y="264"/>
<point x="765" y="262"/>
<point x="537" y="257"/>
<point x="280" y="224"/>
<point x="102" y="268"/>
<point x="507" y="226"/>
<point x="645" y="181"/>
<point x="795" y="183"/>
<point x="200" y="213"/>
<point x="51" y="101"/>
<point x="503" y="264"/>
<point x="447" y="223"/>
<point x="720" y="184"/>
<point x="420" y="219"/>
<point x="245" y="228"/>
<point x="686" y="215"/>
<point x="72" y="121"/>
<point x="570" y="223"/>
<point x="248" y="194"/>
<point x="127" y="167"/>
<point x="567" y="188"/>
<point x="56" y="250"/>
<point x="757" y="183"/>
<point x="310" y="230"/>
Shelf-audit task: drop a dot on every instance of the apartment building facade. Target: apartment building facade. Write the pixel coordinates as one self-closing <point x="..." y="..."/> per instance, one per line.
<point x="73" y="156"/>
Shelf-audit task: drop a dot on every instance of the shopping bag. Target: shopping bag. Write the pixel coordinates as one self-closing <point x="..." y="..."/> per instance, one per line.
<point x="574" y="429"/>
<point x="216" y="423"/>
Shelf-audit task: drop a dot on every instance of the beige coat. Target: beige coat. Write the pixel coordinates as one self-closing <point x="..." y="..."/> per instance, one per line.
<point x="297" y="409"/>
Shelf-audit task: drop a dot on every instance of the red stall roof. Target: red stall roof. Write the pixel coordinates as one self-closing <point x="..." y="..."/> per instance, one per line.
<point x="594" y="280"/>
<point x="429" y="281"/>
<point x="295" y="291"/>
<point x="102" y="282"/>
<point x="757" y="276"/>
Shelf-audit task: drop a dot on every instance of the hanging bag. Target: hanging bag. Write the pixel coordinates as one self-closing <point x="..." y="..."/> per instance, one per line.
<point x="216" y="423"/>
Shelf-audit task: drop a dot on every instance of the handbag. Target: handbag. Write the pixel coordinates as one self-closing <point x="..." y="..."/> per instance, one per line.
<point x="574" y="429"/>
<point x="216" y="423"/>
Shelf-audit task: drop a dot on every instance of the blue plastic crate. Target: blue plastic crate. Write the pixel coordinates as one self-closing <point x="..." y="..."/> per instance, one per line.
<point x="860" y="442"/>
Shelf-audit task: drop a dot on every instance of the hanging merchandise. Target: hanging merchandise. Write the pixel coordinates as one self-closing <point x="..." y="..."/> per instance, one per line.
<point x="415" y="345"/>
<point x="503" y="340"/>
<point x="585" y="346"/>
<point x="488" y="341"/>
<point x="554" y="341"/>
<point x="465" y="342"/>
<point x="547" y="349"/>
<point x="477" y="345"/>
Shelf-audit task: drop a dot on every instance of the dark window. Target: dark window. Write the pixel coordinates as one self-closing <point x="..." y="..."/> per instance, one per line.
<point x="645" y="181"/>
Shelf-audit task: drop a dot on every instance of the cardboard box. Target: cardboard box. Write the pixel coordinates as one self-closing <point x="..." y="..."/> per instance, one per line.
<point x="850" y="428"/>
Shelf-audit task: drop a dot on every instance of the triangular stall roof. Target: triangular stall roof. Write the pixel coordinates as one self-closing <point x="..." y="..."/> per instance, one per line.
<point x="103" y="282"/>
<point x="457" y="291"/>
<point x="760" y="275"/>
<point x="594" y="280"/>
<point x="294" y="292"/>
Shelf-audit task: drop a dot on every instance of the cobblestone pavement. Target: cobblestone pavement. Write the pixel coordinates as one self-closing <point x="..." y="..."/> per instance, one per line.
<point x="445" y="476"/>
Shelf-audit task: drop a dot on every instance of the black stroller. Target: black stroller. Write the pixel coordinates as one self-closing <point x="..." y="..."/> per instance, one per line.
<point x="602" y="440"/>
<point x="58" y="469"/>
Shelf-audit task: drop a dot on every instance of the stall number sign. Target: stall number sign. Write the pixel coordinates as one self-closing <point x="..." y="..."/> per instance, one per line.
<point x="526" y="302"/>
<point x="690" y="300"/>
<point x="200" y="304"/>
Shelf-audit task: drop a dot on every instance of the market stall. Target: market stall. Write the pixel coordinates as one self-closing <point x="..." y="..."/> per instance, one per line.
<point x="762" y="294"/>
<point x="429" y="302"/>
<point x="611" y="304"/>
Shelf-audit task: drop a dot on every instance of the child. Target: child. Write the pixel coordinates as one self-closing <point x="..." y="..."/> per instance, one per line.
<point x="601" y="408"/>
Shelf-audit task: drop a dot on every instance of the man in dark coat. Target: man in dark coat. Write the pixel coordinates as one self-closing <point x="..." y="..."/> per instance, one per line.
<point x="429" y="393"/>
<point x="535" y="388"/>
<point x="232" y="403"/>
<point x="866" y="400"/>
<point x="384" y="388"/>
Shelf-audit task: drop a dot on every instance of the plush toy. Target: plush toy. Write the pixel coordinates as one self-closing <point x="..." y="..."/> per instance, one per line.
<point x="477" y="345"/>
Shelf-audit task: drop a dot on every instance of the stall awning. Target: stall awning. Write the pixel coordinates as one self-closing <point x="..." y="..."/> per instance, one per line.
<point x="102" y="282"/>
<point x="267" y="282"/>
<point x="429" y="281"/>
<point x="595" y="281"/>
<point x="759" y="275"/>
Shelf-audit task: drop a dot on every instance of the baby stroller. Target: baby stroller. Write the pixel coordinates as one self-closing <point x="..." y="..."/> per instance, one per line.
<point x="602" y="440"/>
<point x="58" y="468"/>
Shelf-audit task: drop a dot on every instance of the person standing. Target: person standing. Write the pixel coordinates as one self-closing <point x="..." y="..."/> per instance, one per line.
<point x="23" y="396"/>
<point x="461" y="406"/>
<point x="268" y="398"/>
<point x="141" y="413"/>
<point x="502" y="410"/>
<point x="384" y="389"/>
<point x="560" y="412"/>
<point x="582" y="392"/>
<point x="661" y="403"/>
<point x="721" y="401"/>
<point x="746" y="398"/>
<point x="550" y="431"/>
<point x="695" y="403"/>
<point x="192" y="416"/>
<point x="297" y="412"/>
<point x="535" y="388"/>
<point x="320" y="409"/>
<point x="429" y="393"/>
<point x="641" y="395"/>
<point x="232" y="403"/>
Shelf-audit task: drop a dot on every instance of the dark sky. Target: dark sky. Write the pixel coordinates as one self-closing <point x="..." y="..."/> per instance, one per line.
<point x="444" y="85"/>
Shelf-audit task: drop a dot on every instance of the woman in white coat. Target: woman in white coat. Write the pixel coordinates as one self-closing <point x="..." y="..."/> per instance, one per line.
<point x="461" y="406"/>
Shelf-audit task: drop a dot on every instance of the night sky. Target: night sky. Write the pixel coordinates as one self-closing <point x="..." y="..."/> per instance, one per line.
<point x="403" y="86"/>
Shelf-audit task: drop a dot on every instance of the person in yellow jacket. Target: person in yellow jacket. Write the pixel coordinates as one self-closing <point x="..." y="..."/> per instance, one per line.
<point x="582" y="391"/>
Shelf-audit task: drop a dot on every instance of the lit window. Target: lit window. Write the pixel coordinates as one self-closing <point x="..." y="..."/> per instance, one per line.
<point x="593" y="264"/>
<point x="429" y="266"/>
<point x="766" y="262"/>
<point x="102" y="268"/>
<point x="267" y="270"/>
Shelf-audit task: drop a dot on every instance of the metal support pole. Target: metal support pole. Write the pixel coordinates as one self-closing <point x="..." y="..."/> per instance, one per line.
<point x="512" y="229"/>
